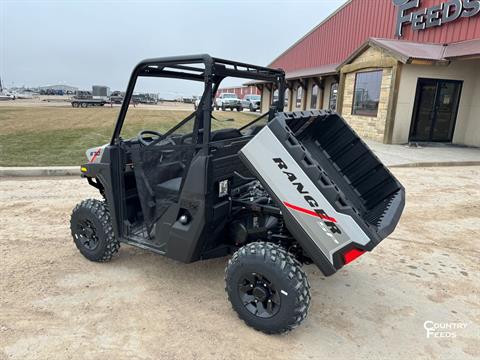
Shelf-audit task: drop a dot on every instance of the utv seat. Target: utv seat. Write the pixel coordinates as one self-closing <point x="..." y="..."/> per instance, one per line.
<point x="254" y="130"/>
<point x="225" y="134"/>
<point x="169" y="181"/>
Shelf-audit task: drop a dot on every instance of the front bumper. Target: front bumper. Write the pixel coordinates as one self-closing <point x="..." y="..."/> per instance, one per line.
<point x="232" y="104"/>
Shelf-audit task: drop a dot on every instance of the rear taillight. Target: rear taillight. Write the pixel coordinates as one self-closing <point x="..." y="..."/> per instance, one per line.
<point x="351" y="255"/>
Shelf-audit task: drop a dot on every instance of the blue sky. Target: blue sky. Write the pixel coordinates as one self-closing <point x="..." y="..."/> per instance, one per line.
<point x="82" y="43"/>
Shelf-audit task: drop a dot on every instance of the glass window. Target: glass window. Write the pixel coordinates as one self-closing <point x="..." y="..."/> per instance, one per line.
<point x="298" y="100"/>
<point x="367" y="93"/>
<point x="313" y="100"/>
<point x="332" y="104"/>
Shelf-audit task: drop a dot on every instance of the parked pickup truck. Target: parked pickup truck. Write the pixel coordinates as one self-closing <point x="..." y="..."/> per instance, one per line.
<point x="228" y="101"/>
<point x="251" y="102"/>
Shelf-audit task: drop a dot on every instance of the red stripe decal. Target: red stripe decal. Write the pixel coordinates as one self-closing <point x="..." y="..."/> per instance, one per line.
<point x="95" y="155"/>
<point x="309" y="212"/>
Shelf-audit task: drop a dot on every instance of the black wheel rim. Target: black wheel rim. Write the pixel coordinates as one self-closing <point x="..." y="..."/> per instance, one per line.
<point x="86" y="234"/>
<point x="259" y="295"/>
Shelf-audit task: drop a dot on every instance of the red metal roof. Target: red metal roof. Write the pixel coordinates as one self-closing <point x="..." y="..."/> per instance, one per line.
<point x="348" y="28"/>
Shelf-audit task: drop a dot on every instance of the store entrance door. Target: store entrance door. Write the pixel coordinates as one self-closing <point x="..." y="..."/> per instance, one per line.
<point x="435" y="110"/>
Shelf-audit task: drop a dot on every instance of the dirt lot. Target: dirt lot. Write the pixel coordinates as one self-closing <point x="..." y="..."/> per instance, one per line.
<point x="55" y="304"/>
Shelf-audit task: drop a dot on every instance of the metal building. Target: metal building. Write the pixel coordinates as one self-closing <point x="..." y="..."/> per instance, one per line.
<point x="240" y="91"/>
<point x="398" y="70"/>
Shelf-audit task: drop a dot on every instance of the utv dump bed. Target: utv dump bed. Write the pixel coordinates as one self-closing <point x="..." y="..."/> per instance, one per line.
<point x="337" y="198"/>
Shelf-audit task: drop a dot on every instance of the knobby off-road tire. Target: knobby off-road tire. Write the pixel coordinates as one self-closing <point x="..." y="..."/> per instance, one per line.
<point x="263" y="271"/>
<point x="92" y="231"/>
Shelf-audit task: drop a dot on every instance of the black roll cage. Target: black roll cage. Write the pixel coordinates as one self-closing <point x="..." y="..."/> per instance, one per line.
<point x="212" y="74"/>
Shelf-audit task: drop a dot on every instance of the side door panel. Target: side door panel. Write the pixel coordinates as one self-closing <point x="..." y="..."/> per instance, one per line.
<point x="160" y="172"/>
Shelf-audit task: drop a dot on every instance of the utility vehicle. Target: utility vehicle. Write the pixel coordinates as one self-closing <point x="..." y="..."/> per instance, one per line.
<point x="284" y="190"/>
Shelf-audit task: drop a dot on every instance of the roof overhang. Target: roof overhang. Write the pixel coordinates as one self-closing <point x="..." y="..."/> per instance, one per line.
<point x="322" y="71"/>
<point x="408" y="52"/>
<point x="464" y="49"/>
<point x="404" y="51"/>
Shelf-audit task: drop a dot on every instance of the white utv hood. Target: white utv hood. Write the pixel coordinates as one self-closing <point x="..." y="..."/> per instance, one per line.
<point x="94" y="155"/>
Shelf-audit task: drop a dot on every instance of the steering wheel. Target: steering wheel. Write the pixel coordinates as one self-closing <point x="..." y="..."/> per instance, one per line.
<point x="142" y="140"/>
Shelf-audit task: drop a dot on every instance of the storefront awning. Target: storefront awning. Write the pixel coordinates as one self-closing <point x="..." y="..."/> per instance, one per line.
<point x="463" y="49"/>
<point x="408" y="51"/>
<point x="325" y="70"/>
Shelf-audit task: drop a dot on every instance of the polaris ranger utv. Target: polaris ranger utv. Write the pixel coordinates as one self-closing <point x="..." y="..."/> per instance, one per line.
<point x="286" y="189"/>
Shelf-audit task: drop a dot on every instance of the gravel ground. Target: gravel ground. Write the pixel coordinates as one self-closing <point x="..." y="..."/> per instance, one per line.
<point x="55" y="304"/>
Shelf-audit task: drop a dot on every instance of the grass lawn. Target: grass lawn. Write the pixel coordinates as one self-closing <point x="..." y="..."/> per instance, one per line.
<point x="38" y="136"/>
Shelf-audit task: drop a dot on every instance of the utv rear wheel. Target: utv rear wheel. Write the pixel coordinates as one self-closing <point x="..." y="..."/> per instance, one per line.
<point x="267" y="288"/>
<point x="92" y="231"/>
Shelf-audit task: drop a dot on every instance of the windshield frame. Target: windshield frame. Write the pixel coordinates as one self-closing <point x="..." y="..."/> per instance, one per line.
<point x="203" y="68"/>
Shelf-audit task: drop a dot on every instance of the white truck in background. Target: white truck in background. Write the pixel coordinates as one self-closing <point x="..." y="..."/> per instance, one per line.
<point x="228" y="101"/>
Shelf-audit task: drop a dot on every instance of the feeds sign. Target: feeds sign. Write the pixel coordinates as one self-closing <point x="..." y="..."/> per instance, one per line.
<point x="437" y="15"/>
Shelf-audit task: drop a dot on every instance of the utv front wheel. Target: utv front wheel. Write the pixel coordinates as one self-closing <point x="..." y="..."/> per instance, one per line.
<point x="92" y="232"/>
<point x="267" y="288"/>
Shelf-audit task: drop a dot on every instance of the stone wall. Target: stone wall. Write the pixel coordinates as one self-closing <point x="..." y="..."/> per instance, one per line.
<point x="368" y="127"/>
